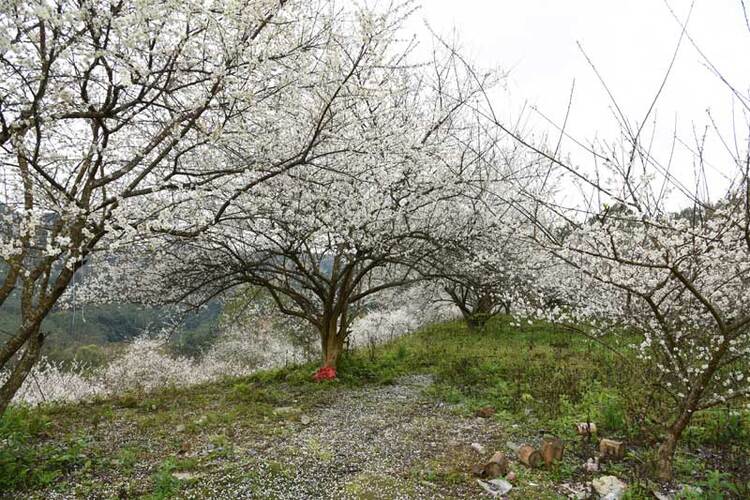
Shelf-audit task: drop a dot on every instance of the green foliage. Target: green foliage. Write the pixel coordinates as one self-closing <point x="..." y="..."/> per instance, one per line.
<point x="604" y="406"/>
<point x="17" y="458"/>
<point x="637" y="491"/>
<point x="126" y="458"/>
<point x="719" y="427"/>
<point x="26" y="461"/>
<point x="165" y="484"/>
<point x="221" y="446"/>
<point x="92" y="355"/>
<point x="256" y="393"/>
<point x="534" y="377"/>
<point x="554" y="376"/>
<point x="718" y="486"/>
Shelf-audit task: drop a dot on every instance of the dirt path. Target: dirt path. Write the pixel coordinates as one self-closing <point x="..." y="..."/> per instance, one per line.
<point x="382" y="442"/>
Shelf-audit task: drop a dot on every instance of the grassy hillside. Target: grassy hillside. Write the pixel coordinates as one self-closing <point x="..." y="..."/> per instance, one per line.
<point x="399" y="422"/>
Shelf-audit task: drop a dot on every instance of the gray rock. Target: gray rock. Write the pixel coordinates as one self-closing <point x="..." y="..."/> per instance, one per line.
<point x="496" y="487"/>
<point x="478" y="448"/>
<point x="286" y="410"/>
<point x="609" y="487"/>
<point x="662" y="496"/>
<point x="183" y="476"/>
<point x="305" y="420"/>
<point x="576" y="491"/>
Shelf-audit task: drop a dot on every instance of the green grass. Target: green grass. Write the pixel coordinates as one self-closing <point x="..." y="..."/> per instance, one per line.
<point x="546" y="375"/>
<point x="535" y="377"/>
<point x="27" y="459"/>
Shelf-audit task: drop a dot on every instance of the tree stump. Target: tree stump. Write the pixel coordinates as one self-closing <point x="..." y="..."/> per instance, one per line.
<point x="494" y="470"/>
<point x="528" y="456"/>
<point x="552" y="449"/>
<point x="497" y="466"/>
<point x="586" y="429"/>
<point x="609" y="448"/>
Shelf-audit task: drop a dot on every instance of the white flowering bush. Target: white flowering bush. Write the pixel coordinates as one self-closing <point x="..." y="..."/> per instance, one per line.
<point x="146" y="365"/>
<point x="399" y="313"/>
<point x="51" y="382"/>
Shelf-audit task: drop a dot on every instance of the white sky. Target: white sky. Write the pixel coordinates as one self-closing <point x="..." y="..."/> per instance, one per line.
<point x="630" y="41"/>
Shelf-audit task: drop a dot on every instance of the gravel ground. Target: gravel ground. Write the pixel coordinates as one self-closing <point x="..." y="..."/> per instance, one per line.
<point x="376" y="442"/>
<point x="370" y="443"/>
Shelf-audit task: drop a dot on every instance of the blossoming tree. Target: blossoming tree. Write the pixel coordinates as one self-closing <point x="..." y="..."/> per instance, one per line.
<point x="110" y="115"/>
<point x="366" y="213"/>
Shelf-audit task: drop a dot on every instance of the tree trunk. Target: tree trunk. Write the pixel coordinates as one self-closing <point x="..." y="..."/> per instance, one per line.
<point x="667" y="448"/>
<point x="506" y="308"/>
<point x="331" y="353"/>
<point x="332" y="343"/>
<point x="29" y="334"/>
<point x="22" y="369"/>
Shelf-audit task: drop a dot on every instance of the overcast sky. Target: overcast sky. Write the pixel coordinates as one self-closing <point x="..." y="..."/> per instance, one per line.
<point x="630" y="42"/>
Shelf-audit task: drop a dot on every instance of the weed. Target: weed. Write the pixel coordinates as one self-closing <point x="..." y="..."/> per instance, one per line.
<point x="165" y="484"/>
<point x="718" y="486"/>
<point x="126" y="458"/>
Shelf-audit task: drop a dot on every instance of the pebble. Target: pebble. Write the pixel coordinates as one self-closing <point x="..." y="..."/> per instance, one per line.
<point x="478" y="448"/>
<point x="183" y="476"/>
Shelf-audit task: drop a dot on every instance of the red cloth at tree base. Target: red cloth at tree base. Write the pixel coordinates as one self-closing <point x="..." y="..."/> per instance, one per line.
<point x="324" y="373"/>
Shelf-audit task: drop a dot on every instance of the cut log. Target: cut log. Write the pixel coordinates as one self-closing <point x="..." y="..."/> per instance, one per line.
<point x="552" y="449"/>
<point x="498" y="464"/>
<point x="528" y="456"/>
<point x="494" y="470"/>
<point x="586" y="428"/>
<point x="609" y="448"/>
<point x="477" y="470"/>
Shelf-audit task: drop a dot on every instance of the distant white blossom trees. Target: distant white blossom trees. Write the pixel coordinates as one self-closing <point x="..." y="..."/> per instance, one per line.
<point x="490" y="261"/>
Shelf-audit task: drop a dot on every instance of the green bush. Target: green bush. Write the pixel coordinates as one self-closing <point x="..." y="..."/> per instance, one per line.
<point x="605" y="407"/>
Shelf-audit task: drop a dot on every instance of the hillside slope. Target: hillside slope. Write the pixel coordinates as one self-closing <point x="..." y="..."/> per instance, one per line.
<point x="89" y="333"/>
<point x="399" y="423"/>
